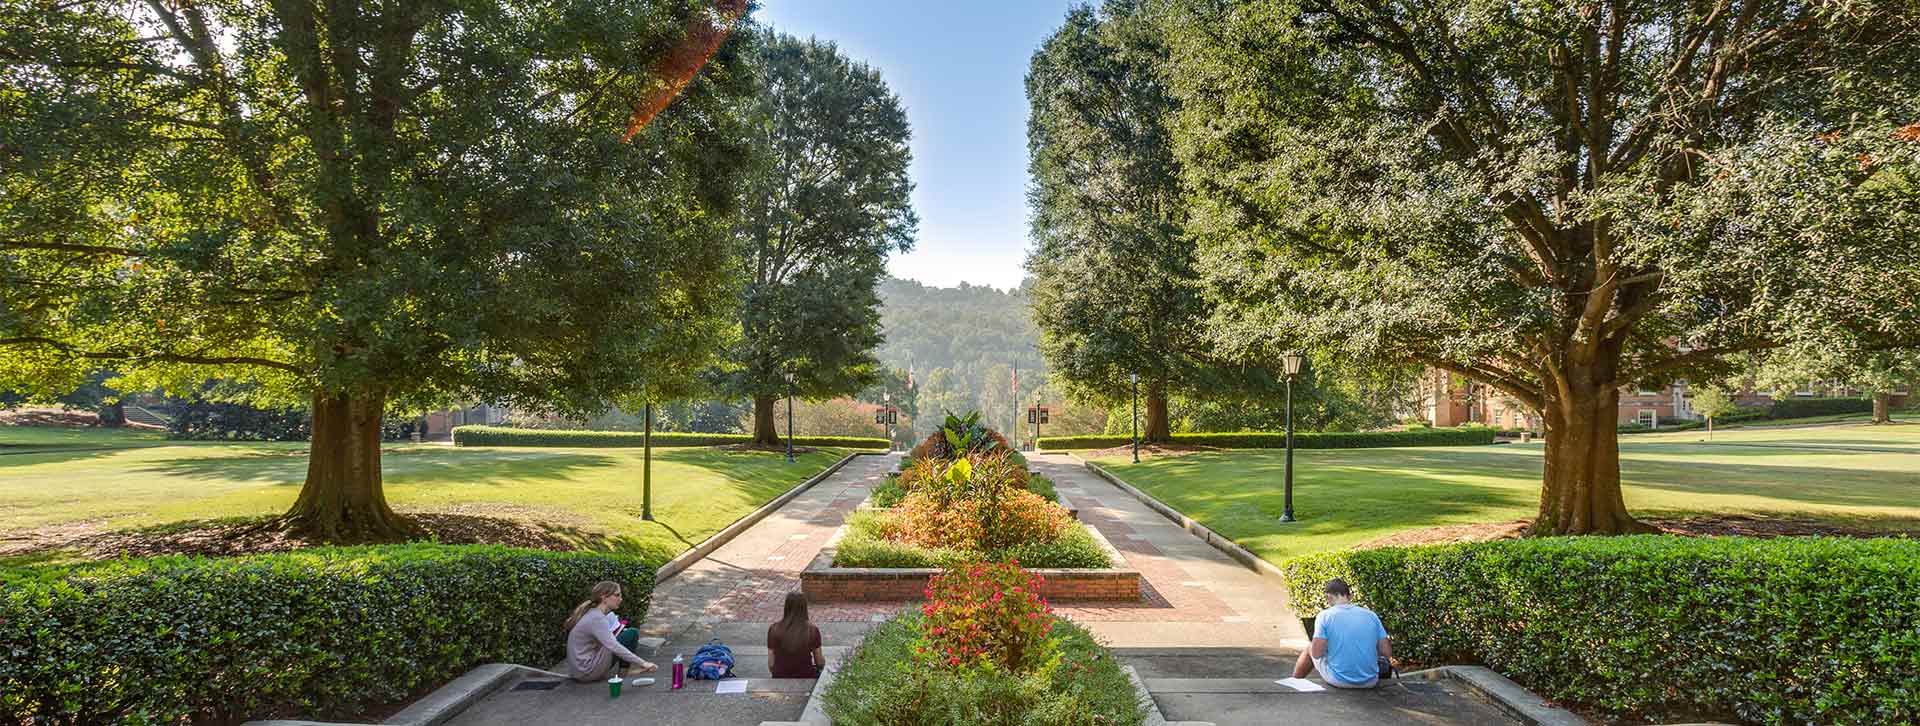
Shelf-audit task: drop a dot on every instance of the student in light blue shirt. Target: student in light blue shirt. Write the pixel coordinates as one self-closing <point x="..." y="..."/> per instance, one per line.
<point x="1350" y="647"/>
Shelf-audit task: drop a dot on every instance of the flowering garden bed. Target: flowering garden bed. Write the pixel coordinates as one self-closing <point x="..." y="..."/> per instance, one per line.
<point x="965" y="497"/>
<point x="985" y="649"/>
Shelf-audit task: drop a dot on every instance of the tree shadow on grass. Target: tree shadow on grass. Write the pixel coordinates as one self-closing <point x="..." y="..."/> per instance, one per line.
<point x="655" y="552"/>
<point x="289" y="467"/>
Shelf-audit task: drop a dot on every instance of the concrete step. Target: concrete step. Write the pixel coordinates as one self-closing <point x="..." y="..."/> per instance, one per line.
<point x="1157" y="663"/>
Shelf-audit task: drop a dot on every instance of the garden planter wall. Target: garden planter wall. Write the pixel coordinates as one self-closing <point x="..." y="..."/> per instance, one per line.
<point x="825" y="583"/>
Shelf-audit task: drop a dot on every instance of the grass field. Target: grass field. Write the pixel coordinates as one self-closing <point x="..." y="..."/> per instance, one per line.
<point x="1858" y="475"/>
<point x="54" y="477"/>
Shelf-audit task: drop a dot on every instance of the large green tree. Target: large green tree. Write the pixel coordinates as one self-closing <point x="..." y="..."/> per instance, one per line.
<point x="365" y="207"/>
<point x="1115" y="291"/>
<point x="827" y="202"/>
<point x="1557" y="199"/>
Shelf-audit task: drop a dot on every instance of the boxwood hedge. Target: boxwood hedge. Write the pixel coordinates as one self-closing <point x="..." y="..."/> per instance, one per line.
<point x="1805" y="407"/>
<point x="502" y="436"/>
<point x="1466" y="436"/>
<point x="1791" y="630"/>
<point x="322" y="632"/>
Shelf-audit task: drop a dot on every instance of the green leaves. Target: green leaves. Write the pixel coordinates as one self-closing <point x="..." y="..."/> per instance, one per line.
<point x="330" y="631"/>
<point x="1789" y="630"/>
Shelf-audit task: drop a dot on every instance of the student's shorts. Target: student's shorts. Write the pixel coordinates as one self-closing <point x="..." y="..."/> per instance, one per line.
<point x="1326" y="674"/>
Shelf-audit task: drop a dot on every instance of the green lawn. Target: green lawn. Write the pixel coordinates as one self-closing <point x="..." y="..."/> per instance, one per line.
<point x="588" y="496"/>
<point x="1861" y="475"/>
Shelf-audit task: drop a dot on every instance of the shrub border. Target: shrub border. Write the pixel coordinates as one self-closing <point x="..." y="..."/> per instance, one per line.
<point x="475" y="435"/>
<point x="1464" y="436"/>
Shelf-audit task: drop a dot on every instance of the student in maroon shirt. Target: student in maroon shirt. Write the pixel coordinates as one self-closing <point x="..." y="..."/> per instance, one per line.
<point x="793" y="644"/>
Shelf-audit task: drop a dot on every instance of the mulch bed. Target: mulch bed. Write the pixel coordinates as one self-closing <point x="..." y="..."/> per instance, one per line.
<point x="1707" y="526"/>
<point x="88" y="540"/>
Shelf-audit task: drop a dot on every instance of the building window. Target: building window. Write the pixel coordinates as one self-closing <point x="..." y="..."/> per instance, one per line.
<point x="1648" y="418"/>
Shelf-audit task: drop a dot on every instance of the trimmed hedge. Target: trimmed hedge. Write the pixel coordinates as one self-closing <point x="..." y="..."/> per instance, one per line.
<point x="324" y="632"/>
<point x="1805" y="407"/>
<point x="1465" y="436"/>
<point x="1789" y="630"/>
<point x="503" y="436"/>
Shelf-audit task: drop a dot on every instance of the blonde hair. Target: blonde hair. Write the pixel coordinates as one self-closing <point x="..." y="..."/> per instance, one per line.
<point x="601" y="591"/>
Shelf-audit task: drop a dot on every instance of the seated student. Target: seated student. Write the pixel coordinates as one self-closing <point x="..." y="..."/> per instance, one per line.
<point x="592" y="646"/>
<point x="793" y="644"/>
<point x="1350" y="647"/>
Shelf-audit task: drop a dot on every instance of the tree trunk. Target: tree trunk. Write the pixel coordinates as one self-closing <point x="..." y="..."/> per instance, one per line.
<point x="764" y="430"/>
<point x="1882" y="405"/>
<point x="1157" y="431"/>
<point x="114" y="415"/>
<point x="1580" y="481"/>
<point x="343" y="500"/>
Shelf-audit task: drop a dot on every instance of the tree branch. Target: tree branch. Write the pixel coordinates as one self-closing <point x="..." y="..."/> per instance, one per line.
<point x="150" y="357"/>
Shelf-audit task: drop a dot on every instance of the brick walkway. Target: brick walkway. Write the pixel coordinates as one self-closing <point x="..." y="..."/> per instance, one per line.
<point x="1194" y="596"/>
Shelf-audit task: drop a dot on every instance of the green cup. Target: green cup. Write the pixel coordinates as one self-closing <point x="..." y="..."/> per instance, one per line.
<point x="613" y="687"/>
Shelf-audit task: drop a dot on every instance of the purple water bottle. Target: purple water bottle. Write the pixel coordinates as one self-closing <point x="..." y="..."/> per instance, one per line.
<point x="679" y="672"/>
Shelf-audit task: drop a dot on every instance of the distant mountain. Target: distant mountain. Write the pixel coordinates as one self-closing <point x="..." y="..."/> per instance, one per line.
<point x="962" y="344"/>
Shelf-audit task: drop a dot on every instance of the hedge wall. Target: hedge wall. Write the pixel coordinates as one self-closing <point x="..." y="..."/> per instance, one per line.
<point x="1804" y="407"/>
<point x="322" y="632"/>
<point x="1468" y="436"/>
<point x="502" y="436"/>
<point x="1791" y="630"/>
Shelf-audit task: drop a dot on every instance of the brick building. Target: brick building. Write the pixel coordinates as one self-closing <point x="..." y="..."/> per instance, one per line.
<point x="1448" y="400"/>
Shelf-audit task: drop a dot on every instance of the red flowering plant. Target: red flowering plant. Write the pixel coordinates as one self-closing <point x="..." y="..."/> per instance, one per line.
<point x="986" y="614"/>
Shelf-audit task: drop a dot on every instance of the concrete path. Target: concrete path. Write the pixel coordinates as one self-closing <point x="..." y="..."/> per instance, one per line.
<point x="1224" y="633"/>
<point x="732" y="594"/>
<point x="1208" y="637"/>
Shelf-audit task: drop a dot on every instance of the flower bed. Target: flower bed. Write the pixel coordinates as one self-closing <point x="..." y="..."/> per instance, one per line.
<point x="985" y="649"/>
<point x="981" y="503"/>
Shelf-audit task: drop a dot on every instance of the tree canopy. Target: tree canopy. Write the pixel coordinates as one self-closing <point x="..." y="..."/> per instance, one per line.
<point x="1557" y="199"/>
<point x="826" y="202"/>
<point x="1115" y="291"/>
<point x="366" y="207"/>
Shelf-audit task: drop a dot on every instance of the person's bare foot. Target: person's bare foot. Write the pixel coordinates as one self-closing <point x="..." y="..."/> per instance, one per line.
<point x="644" y="667"/>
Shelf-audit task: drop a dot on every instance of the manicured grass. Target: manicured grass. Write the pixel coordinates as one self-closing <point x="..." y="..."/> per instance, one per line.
<point x="38" y="438"/>
<point x="1859" y="475"/>
<point x="589" y="496"/>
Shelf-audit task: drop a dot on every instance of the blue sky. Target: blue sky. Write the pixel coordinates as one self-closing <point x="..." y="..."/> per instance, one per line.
<point x="959" y="69"/>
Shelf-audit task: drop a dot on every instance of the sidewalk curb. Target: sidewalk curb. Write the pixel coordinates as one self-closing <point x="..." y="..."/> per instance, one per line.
<point x="1217" y="540"/>
<point x="706" y="547"/>
<point x="1511" y="697"/>
<point x="1154" y="716"/>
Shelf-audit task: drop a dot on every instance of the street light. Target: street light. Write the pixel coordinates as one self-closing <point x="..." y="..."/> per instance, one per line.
<point x="646" y="465"/>
<point x="888" y="397"/>
<point x="1293" y="361"/>
<point x="789" y="415"/>
<point x="1135" y="424"/>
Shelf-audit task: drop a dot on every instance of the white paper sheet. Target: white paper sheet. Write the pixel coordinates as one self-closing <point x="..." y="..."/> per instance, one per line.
<point x="730" y="685"/>
<point x="1301" y="684"/>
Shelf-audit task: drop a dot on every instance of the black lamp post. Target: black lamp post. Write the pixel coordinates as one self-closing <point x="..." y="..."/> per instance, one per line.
<point x="789" y="416"/>
<point x="1293" y="360"/>
<point x="1135" y="424"/>
<point x="888" y="397"/>
<point x="646" y="466"/>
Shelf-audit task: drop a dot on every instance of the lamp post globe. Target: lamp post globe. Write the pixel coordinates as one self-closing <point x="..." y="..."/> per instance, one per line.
<point x="1292" y="359"/>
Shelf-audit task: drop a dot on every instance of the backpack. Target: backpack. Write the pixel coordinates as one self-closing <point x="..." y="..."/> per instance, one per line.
<point x="712" y="662"/>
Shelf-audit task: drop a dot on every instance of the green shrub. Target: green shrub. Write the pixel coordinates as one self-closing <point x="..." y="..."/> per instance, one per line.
<point x="1790" y="630"/>
<point x="1805" y="407"/>
<point x="322" y="632"/>
<point x="863" y="546"/>
<point x="1044" y="487"/>
<point x="889" y="493"/>
<point x="503" y="436"/>
<point x="880" y="685"/>
<point x="1307" y="440"/>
